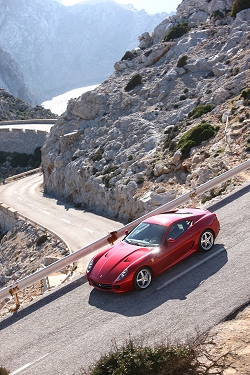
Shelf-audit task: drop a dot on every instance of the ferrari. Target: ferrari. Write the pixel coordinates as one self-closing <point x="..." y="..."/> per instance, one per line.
<point x="154" y="245"/>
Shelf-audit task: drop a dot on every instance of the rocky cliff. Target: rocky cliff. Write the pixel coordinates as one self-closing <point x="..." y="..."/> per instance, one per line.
<point x="60" y="48"/>
<point x="174" y="114"/>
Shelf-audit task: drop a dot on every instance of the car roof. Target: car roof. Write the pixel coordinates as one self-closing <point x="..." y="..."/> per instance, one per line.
<point x="166" y="218"/>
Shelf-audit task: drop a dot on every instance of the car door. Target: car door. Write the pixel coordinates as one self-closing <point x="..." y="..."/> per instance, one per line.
<point x="177" y="243"/>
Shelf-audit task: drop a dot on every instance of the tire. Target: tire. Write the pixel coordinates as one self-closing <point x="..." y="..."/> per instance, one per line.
<point x="143" y="278"/>
<point x="206" y="241"/>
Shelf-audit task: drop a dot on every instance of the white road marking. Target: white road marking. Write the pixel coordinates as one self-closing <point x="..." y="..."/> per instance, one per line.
<point x="19" y="198"/>
<point x="31" y="205"/>
<point x="28" y="365"/>
<point x="66" y="221"/>
<point x="190" y="268"/>
<point x="88" y="230"/>
<point x="46" y="212"/>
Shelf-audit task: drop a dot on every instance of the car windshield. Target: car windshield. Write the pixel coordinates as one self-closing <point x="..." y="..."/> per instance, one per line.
<point x="146" y="234"/>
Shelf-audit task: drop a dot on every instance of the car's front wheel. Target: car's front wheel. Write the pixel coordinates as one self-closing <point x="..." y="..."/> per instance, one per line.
<point x="143" y="278"/>
<point x="206" y="240"/>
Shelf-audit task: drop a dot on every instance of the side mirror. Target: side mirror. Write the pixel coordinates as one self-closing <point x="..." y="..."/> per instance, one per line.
<point x="168" y="241"/>
<point x="171" y="240"/>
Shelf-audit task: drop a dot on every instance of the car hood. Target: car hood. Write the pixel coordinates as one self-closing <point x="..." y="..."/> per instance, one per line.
<point x="116" y="260"/>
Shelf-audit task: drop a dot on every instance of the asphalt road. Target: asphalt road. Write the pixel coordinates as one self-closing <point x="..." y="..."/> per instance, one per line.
<point x="74" y="325"/>
<point x="77" y="227"/>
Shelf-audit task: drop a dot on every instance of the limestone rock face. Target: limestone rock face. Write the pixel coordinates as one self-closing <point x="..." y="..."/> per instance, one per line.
<point x="115" y="149"/>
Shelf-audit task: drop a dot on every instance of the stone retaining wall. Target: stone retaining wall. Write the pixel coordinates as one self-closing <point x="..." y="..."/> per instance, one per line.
<point x="21" y="140"/>
<point x="8" y="218"/>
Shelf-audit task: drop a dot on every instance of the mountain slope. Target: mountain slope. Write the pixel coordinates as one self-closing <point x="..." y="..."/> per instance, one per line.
<point x="11" y="78"/>
<point x="120" y="153"/>
<point x="60" y="48"/>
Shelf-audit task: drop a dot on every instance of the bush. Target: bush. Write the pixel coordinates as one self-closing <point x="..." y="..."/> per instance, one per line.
<point x="238" y="6"/>
<point x="138" y="360"/>
<point x="3" y="371"/>
<point x="97" y="155"/>
<point x="140" y="181"/>
<point x="129" y="55"/>
<point x="217" y="14"/>
<point x="194" y="137"/>
<point x="176" y="32"/>
<point x="200" y="110"/>
<point x="182" y="61"/>
<point x="133" y="82"/>
<point x="246" y="96"/>
<point x="22" y="160"/>
<point x="171" y="134"/>
<point x="41" y="240"/>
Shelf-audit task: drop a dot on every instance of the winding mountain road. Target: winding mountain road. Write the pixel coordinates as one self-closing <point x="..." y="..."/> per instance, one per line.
<point x="73" y="325"/>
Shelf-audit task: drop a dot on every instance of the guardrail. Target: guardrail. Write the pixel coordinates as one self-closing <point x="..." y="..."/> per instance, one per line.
<point x="21" y="175"/>
<point x="68" y="260"/>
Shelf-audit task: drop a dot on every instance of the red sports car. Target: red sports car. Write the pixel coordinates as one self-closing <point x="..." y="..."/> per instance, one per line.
<point x="153" y="246"/>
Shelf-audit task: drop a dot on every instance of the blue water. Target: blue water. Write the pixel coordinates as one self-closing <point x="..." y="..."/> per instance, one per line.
<point x="58" y="104"/>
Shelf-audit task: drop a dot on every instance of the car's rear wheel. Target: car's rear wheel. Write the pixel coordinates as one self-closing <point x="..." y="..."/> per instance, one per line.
<point x="143" y="278"/>
<point x="206" y="240"/>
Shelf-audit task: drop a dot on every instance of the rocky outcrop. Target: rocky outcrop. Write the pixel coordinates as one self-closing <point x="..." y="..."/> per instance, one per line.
<point x="13" y="108"/>
<point x="60" y="48"/>
<point x="15" y="262"/>
<point x="115" y="149"/>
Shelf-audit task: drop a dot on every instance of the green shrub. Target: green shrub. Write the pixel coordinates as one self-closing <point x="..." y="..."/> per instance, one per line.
<point x="200" y="110"/>
<point x="22" y="160"/>
<point x="140" y="181"/>
<point x="109" y="172"/>
<point x="246" y="96"/>
<point x="238" y="6"/>
<point x="139" y="360"/>
<point x="171" y="134"/>
<point x="133" y="82"/>
<point x="217" y="14"/>
<point x="182" y="61"/>
<point x="194" y="137"/>
<point x="129" y="55"/>
<point x="41" y="240"/>
<point x="176" y="32"/>
<point x="109" y="169"/>
<point x="3" y="371"/>
<point x="183" y="97"/>
<point x="97" y="155"/>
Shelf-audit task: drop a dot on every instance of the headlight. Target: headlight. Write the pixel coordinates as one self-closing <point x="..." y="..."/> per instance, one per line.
<point x="90" y="265"/>
<point x="122" y="275"/>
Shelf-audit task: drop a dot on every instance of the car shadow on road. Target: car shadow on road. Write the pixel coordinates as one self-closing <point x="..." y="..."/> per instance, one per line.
<point x="178" y="288"/>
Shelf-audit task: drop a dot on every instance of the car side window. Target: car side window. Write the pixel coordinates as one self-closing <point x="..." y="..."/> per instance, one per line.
<point x="178" y="228"/>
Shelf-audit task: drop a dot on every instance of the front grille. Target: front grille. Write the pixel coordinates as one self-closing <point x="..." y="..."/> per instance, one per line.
<point x="102" y="286"/>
